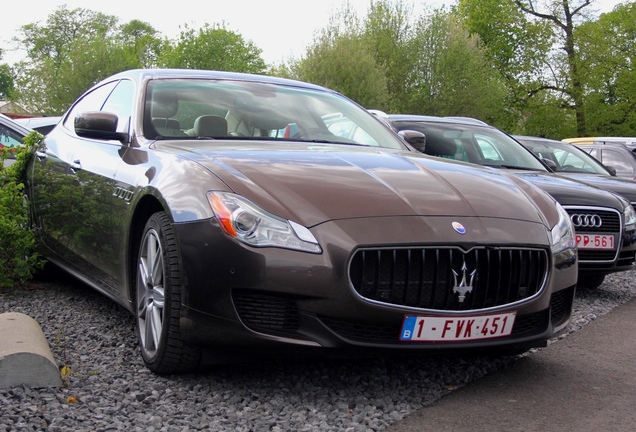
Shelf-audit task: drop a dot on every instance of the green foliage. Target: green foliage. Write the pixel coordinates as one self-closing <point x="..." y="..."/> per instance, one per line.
<point x="342" y="59"/>
<point x="608" y="55"/>
<point x="455" y="77"/>
<point x="535" y="47"/>
<point x="390" y="63"/>
<point x="347" y="67"/>
<point x="212" y="47"/>
<point x="388" y="29"/>
<point x="546" y="118"/>
<point x="514" y="43"/>
<point x="7" y="79"/>
<point x="74" y="50"/>
<point x="18" y="258"/>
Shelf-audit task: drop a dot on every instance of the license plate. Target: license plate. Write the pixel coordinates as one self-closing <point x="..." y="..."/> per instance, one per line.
<point x="595" y="241"/>
<point x="451" y="329"/>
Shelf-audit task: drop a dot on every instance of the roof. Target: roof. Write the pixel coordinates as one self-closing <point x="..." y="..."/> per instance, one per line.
<point x="595" y="140"/>
<point x="145" y="74"/>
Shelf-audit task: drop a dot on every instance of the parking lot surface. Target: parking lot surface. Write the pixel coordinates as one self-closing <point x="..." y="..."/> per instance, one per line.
<point x="585" y="382"/>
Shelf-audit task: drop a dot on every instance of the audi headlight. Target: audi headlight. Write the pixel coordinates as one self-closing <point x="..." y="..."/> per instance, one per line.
<point x="629" y="215"/>
<point x="562" y="234"/>
<point x="243" y="220"/>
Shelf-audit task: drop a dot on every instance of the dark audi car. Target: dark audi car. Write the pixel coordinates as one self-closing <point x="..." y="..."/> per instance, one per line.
<point x="173" y="193"/>
<point x="569" y="160"/>
<point x="604" y="222"/>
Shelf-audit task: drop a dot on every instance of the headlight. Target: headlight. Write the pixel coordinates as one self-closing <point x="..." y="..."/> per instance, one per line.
<point x="246" y="222"/>
<point x="629" y="215"/>
<point x="562" y="234"/>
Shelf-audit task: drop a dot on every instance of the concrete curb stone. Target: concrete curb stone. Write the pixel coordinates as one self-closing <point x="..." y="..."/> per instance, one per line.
<point x="25" y="355"/>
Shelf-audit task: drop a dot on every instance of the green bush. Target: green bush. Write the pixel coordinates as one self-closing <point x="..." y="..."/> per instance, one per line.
<point x="18" y="259"/>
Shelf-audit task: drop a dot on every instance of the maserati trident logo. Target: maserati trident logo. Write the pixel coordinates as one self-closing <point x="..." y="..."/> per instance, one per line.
<point x="465" y="284"/>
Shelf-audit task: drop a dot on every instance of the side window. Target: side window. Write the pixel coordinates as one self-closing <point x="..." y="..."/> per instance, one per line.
<point x="92" y="101"/>
<point x="569" y="159"/>
<point x="622" y="165"/>
<point x="9" y="138"/>
<point x="488" y="150"/>
<point x="591" y="151"/>
<point x="120" y="102"/>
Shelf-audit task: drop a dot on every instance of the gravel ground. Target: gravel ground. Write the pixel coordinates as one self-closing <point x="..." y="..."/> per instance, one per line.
<point x="110" y="389"/>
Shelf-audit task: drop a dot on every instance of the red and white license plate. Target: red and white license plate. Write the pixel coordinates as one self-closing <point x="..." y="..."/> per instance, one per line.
<point x="595" y="241"/>
<point x="417" y="328"/>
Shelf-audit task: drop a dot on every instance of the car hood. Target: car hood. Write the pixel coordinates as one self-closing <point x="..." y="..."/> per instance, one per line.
<point x="314" y="183"/>
<point x="571" y="192"/>
<point x="621" y="186"/>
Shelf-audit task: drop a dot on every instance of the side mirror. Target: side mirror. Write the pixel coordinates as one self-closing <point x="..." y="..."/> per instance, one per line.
<point x="611" y="170"/>
<point x="414" y="138"/>
<point x="98" y="125"/>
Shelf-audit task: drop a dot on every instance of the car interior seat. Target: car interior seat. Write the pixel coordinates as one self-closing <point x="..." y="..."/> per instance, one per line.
<point x="164" y="106"/>
<point x="439" y="146"/>
<point x="209" y="126"/>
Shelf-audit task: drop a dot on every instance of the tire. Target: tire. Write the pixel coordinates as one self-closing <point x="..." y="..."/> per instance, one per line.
<point x="590" y="281"/>
<point x="158" y="300"/>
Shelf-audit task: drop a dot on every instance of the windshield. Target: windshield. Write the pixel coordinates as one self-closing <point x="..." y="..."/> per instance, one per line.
<point x="566" y="157"/>
<point x="240" y="110"/>
<point x="474" y="144"/>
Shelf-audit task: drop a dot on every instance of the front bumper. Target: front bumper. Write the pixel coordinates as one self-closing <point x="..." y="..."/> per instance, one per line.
<point x="237" y="296"/>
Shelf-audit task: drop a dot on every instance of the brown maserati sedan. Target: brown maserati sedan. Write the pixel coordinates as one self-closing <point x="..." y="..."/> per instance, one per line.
<point x="222" y="210"/>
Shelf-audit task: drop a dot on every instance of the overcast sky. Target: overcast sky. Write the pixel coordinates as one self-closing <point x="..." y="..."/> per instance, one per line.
<point x="280" y="28"/>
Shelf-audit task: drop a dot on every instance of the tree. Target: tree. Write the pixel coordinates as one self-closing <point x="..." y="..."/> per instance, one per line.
<point x="342" y="59"/>
<point x="142" y="41"/>
<point x="388" y="30"/>
<point x="74" y="50"/>
<point x="390" y="62"/>
<point x="6" y="82"/>
<point x="452" y="75"/>
<point x="607" y="55"/>
<point x="347" y="67"/>
<point x="535" y="47"/>
<point x="212" y="47"/>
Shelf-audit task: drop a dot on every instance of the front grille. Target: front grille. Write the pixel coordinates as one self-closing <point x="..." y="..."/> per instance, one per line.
<point x="611" y="224"/>
<point x="437" y="278"/>
<point x="266" y="313"/>
<point x="611" y="221"/>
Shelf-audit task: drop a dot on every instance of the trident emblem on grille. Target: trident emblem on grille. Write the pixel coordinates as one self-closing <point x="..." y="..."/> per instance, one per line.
<point x="464" y="286"/>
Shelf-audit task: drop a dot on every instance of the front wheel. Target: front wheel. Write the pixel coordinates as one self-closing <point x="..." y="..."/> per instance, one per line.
<point x="158" y="299"/>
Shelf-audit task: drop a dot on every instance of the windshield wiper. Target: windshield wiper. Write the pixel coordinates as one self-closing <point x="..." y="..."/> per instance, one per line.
<point x="512" y="167"/>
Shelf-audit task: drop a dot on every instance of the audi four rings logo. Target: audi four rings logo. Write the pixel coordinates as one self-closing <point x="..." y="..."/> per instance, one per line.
<point x="586" y="220"/>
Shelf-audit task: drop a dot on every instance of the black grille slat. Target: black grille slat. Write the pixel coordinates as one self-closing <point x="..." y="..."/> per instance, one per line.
<point x="263" y="312"/>
<point x="426" y="277"/>
<point x="596" y="255"/>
